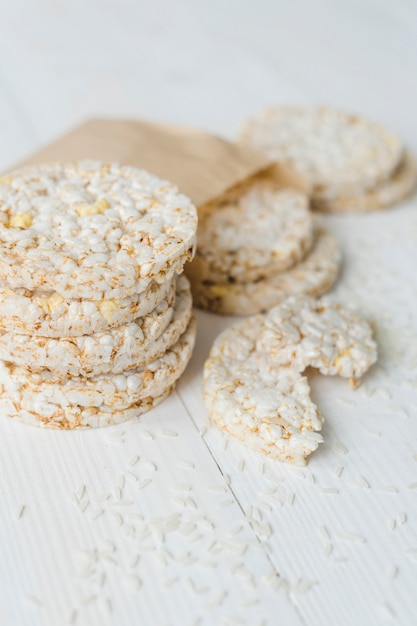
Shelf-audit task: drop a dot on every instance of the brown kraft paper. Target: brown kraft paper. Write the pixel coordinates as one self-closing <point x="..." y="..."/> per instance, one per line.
<point x="204" y="167"/>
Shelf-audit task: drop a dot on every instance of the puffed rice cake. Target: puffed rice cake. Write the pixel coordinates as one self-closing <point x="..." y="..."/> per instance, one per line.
<point x="112" y="352"/>
<point x="46" y="314"/>
<point x="264" y="406"/>
<point x="345" y="158"/>
<point x="79" y="402"/>
<point x="74" y="417"/>
<point x="92" y="230"/>
<point x="253" y="384"/>
<point x="391" y="191"/>
<point x="262" y="231"/>
<point x="313" y="276"/>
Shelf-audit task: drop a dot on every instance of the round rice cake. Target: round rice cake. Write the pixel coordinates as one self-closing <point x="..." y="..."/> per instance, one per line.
<point x="391" y="191"/>
<point x="112" y="352"/>
<point x="75" y="417"/>
<point x="305" y="332"/>
<point x="335" y="151"/>
<point x="264" y="231"/>
<point x="265" y="406"/>
<point x="313" y="276"/>
<point x="48" y="314"/>
<point x="73" y="402"/>
<point x="92" y="230"/>
<point x="253" y="384"/>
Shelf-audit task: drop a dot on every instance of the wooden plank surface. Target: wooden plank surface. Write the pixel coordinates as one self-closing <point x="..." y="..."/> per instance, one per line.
<point x="164" y="521"/>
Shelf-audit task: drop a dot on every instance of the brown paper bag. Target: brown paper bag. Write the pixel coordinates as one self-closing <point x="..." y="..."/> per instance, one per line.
<point x="203" y="166"/>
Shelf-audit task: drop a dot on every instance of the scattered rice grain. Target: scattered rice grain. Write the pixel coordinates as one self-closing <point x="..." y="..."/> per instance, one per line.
<point x="387" y="609"/>
<point x="19" y="511"/>
<point x="290" y="499"/>
<point x="328" y="549"/>
<point x="340" y="448"/>
<point x="218" y="489"/>
<point x="118" y="518"/>
<point x="217" y="600"/>
<point x="144" y="483"/>
<point x="388" y="489"/>
<point x="96" y="514"/>
<point x="33" y="600"/>
<point x="325" y="533"/>
<point x="131" y="476"/>
<point x="186" y="465"/>
<point x="168" y="433"/>
<point x="133" y="582"/>
<point x="225" y="503"/>
<point x="83" y="505"/>
<point x="351" y="537"/>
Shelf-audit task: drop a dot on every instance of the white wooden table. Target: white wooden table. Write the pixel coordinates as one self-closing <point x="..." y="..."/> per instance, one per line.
<point x="165" y="522"/>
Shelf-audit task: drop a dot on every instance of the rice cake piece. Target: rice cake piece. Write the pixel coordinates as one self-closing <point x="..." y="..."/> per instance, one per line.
<point x="391" y="191"/>
<point x="78" y="402"/>
<point x="253" y="384"/>
<point x="92" y="230"/>
<point x="319" y="333"/>
<point x="313" y="276"/>
<point x="265" y="406"/>
<point x="48" y="314"/>
<point x="263" y="231"/>
<point x="337" y="152"/>
<point x="112" y="352"/>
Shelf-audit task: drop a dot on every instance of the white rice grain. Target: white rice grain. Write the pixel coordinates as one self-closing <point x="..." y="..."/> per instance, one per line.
<point x="289" y="500"/>
<point x="340" y="448"/>
<point x="133" y="582"/>
<point x="225" y="503"/>
<point x="351" y="537"/>
<point x="186" y="465"/>
<point x="144" y="483"/>
<point x="388" y="489"/>
<point x="325" y="533"/>
<point x="147" y="435"/>
<point x="387" y="609"/>
<point x="168" y="433"/>
<point x="96" y="514"/>
<point x="402" y="517"/>
<point x="131" y="476"/>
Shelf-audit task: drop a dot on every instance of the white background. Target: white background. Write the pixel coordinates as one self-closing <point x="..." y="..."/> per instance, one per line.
<point x="251" y="547"/>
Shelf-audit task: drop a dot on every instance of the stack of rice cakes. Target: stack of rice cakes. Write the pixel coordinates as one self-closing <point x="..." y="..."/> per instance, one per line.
<point x="257" y="247"/>
<point x="351" y="164"/>
<point x="96" y="324"/>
